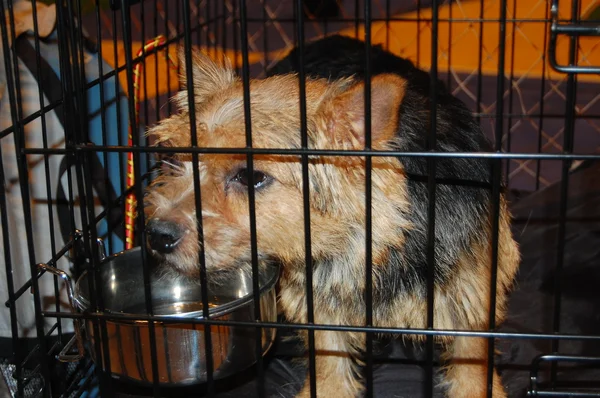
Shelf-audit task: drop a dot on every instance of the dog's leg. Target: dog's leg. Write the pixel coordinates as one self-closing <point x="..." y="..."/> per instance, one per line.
<point x="466" y="376"/>
<point x="335" y="370"/>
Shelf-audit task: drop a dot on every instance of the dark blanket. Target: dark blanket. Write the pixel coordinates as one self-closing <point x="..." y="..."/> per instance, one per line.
<point x="399" y="370"/>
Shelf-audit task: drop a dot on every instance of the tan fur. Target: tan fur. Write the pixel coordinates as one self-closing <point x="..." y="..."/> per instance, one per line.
<point x="335" y="121"/>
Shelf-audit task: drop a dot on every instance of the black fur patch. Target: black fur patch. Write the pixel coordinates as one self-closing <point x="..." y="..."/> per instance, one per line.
<point x="463" y="184"/>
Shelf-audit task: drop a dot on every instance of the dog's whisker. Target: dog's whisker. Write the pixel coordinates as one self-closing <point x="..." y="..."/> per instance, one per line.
<point x="172" y="165"/>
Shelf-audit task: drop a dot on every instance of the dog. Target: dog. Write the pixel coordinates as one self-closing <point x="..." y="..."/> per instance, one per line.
<point x="335" y="120"/>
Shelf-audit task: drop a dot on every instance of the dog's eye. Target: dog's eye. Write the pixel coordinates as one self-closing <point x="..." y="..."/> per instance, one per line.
<point x="259" y="178"/>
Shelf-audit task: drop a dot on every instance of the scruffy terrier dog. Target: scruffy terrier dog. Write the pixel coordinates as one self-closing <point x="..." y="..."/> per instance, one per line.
<point x="400" y="121"/>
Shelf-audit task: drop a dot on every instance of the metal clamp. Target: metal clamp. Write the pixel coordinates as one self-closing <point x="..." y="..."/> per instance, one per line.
<point x="570" y="30"/>
<point x="79" y="248"/>
<point x="63" y="356"/>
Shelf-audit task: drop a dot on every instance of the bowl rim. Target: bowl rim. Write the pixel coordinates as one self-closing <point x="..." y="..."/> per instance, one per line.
<point x="83" y="303"/>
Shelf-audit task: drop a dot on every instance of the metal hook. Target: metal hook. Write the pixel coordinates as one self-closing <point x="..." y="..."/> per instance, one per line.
<point x="101" y="249"/>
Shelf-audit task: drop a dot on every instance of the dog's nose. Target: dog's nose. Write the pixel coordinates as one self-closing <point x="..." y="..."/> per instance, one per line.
<point x="163" y="236"/>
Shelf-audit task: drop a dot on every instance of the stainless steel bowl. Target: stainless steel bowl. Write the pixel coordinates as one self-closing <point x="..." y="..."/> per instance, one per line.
<point x="180" y="347"/>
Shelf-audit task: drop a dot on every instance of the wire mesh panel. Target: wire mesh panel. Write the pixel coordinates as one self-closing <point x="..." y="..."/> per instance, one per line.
<point x="299" y="198"/>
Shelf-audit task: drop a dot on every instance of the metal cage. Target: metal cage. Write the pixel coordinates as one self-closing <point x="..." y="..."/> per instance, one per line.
<point x="78" y="93"/>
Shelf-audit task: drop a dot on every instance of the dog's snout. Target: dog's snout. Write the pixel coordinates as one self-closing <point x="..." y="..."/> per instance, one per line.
<point x="164" y="236"/>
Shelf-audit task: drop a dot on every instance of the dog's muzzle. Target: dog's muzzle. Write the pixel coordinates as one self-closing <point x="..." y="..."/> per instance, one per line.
<point x="164" y="236"/>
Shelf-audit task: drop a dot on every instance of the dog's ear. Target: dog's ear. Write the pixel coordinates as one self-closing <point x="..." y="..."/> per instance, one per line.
<point x="208" y="76"/>
<point x="343" y="115"/>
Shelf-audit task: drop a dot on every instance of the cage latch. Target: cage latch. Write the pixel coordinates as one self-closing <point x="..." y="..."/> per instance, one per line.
<point x="537" y="388"/>
<point x="573" y="30"/>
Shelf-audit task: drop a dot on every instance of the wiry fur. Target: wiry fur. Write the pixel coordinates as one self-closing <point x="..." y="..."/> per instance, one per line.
<point x="335" y="120"/>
